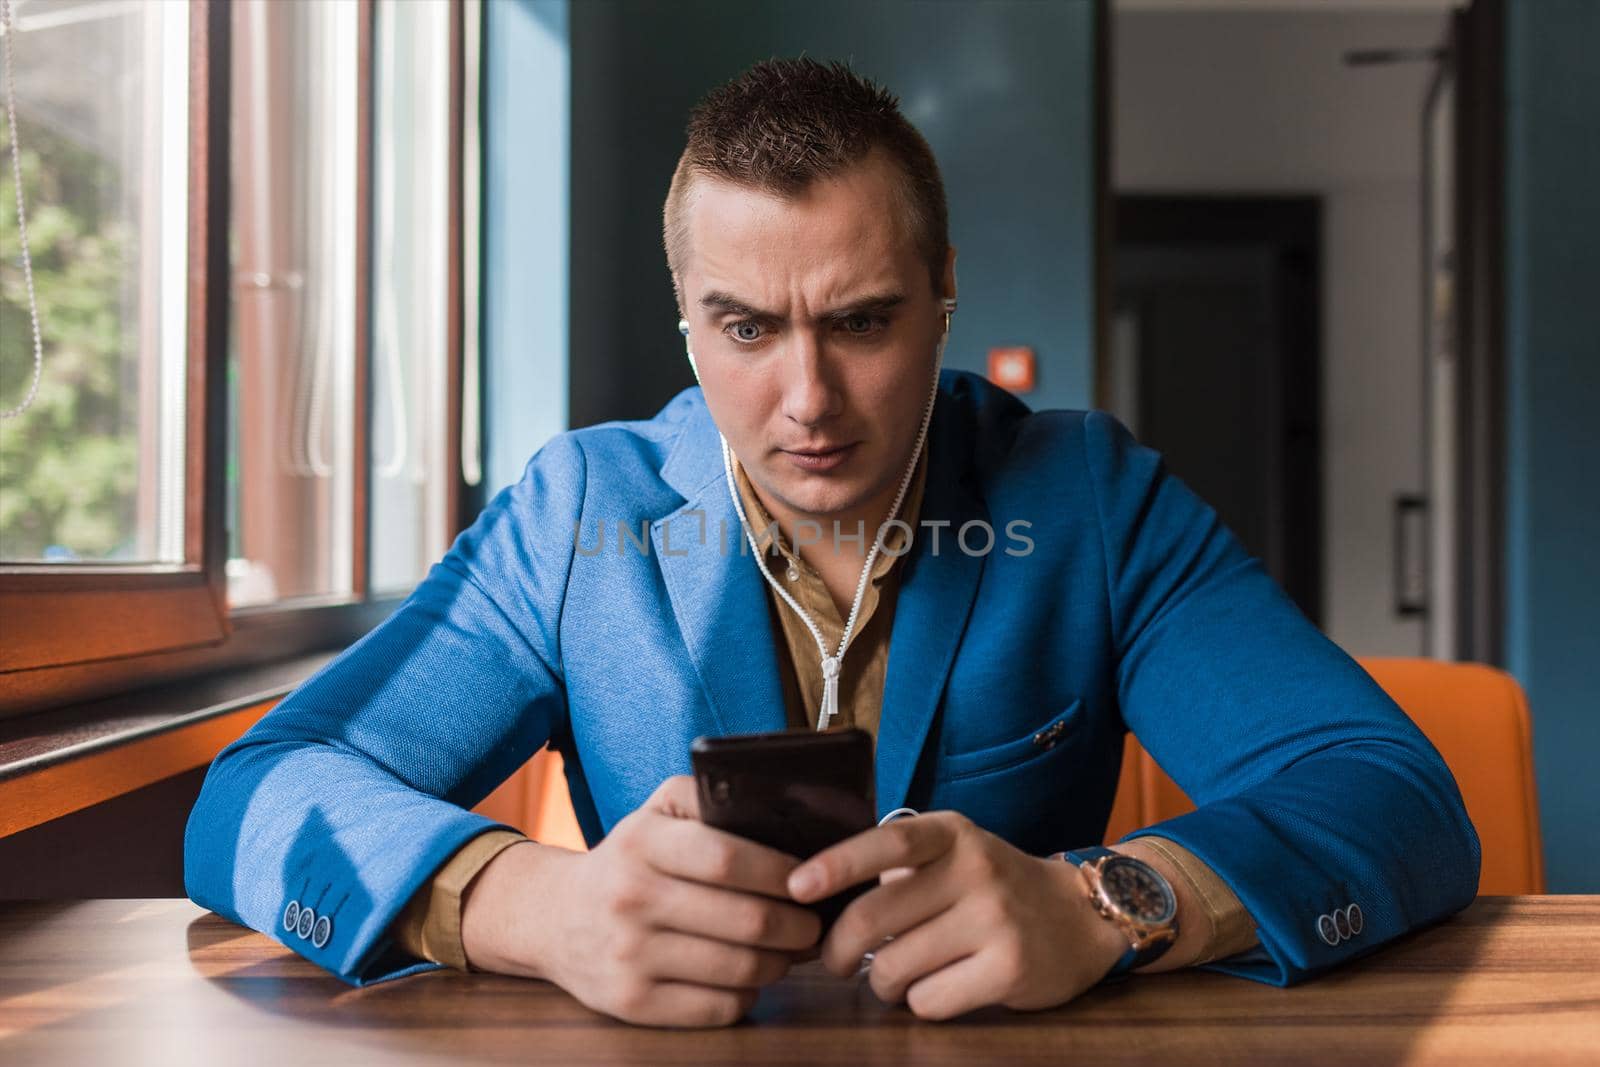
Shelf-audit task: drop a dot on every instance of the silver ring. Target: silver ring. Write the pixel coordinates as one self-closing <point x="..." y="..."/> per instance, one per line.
<point x="897" y="813"/>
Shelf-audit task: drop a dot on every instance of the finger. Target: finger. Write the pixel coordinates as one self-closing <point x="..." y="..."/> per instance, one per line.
<point x="683" y="1004"/>
<point x="707" y="962"/>
<point x="963" y="986"/>
<point x="732" y="916"/>
<point x="920" y="952"/>
<point x="676" y="796"/>
<point x="888" y="911"/>
<point x="894" y="874"/>
<point x="902" y="843"/>
<point x="685" y="848"/>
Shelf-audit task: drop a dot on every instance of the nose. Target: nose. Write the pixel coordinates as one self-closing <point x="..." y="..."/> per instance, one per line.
<point x="809" y="394"/>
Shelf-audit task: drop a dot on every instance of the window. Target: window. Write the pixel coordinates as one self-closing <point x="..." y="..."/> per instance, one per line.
<point x="246" y="437"/>
<point x="92" y="459"/>
<point x="293" y="318"/>
<point x="105" y="551"/>
<point x="411" y="380"/>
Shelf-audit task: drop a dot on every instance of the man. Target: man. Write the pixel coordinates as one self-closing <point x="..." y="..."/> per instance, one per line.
<point x="820" y="536"/>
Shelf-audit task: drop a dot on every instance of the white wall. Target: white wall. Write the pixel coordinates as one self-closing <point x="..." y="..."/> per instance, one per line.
<point x="1261" y="102"/>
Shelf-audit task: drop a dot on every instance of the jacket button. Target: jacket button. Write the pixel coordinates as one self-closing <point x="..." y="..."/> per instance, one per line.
<point x="291" y="916"/>
<point x="1357" y="921"/>
<point x="1327" y="929"/>
<point x="321" y="931"/>
<point x="308" y="919"/>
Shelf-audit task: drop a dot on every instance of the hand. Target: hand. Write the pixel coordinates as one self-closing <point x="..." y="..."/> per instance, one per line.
<point x="668" y="922"/>
<point x="974" y="921"/>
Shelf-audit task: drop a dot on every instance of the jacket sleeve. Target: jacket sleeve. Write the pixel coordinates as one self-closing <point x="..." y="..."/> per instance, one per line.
<point x="347" y="796"/>
<point x="1314" y="791"/>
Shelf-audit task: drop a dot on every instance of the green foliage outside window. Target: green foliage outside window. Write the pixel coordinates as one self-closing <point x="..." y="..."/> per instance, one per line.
<point x="69" y="465"/>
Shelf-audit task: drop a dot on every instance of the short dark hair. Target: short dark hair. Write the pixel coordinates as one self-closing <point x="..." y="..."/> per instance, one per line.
<point x="783" y="124"/>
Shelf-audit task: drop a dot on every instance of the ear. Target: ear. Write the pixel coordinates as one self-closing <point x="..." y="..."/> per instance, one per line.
<point x="949" y="286"/>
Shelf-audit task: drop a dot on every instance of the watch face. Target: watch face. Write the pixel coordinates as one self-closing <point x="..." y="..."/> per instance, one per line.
<point x="1138" y="891"/>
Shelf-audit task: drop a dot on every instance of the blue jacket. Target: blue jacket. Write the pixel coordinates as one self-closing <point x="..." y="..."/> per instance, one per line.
<point x="1134" y="608"/>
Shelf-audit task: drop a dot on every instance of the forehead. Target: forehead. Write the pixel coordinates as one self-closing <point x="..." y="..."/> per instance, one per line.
<point x="841" y="233"/>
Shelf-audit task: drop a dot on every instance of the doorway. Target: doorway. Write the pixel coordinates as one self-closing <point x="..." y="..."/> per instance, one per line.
<point x="1321" y="101"/>
<point x="1215" y="363"/>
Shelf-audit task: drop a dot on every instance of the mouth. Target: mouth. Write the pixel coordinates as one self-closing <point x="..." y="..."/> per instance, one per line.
<point x="816" y="460"/>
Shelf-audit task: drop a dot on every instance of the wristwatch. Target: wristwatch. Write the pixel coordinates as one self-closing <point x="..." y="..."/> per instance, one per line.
<point x="1135" y="896"/>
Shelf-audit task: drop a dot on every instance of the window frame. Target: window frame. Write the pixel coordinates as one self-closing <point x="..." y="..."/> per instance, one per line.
<point x="93" y="629"/>
<point x="80" y="613"/>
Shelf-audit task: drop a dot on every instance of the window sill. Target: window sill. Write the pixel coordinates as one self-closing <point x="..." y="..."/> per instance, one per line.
<point x="64" y="760"/>
<point x="259" y="638"/>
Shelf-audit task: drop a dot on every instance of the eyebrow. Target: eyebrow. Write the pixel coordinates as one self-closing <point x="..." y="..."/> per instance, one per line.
<point x="728" y="304"/>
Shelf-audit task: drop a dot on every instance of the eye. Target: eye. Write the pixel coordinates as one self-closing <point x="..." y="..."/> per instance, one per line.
<point x="863" y="325"/>
<point x="745" y="331"/>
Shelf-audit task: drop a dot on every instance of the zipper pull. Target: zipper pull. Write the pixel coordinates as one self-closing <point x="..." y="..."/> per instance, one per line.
<point x="830" y="692"/>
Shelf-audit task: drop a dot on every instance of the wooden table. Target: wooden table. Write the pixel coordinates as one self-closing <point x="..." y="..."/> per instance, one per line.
<point x="1510" y="980"/>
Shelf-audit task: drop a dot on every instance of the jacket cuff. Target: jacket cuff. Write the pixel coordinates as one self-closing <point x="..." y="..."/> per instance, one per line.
<point x="336" y="898"/>
<point x="1293" y="894"/>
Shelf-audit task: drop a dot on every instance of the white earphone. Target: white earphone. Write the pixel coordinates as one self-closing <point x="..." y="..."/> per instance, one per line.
<point x="947" y="303"/>
<point x="683" y="328"/>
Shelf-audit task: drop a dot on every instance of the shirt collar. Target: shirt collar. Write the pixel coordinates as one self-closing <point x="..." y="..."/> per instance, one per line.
<point x="894" y="541"/>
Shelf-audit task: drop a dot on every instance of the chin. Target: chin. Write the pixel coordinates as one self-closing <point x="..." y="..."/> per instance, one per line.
<point x="822" y="499"/>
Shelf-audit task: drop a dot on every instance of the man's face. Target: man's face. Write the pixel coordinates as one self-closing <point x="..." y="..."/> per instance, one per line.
<point x="814" y="325"/>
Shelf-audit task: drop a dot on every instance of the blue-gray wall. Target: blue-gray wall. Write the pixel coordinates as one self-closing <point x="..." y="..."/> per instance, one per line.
<point x="1553" y="414"/>
<point x="1001" y="89"/>
<point x="1003" y="92"/>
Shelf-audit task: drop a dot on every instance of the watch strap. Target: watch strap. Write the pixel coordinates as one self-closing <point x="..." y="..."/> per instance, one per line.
<point x="1080" y="856"/>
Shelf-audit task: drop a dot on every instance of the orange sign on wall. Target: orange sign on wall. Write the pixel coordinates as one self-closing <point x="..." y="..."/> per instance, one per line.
<point x="1012" y="368"/>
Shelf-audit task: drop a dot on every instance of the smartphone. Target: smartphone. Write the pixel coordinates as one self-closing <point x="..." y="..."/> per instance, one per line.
<point x="795" y="791"/>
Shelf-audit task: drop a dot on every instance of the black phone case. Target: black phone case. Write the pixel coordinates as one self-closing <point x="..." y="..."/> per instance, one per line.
<point x="796" y="791"/>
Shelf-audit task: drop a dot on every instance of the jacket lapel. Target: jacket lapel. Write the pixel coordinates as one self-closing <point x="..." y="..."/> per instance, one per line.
<point x="716" y="591"/>
<point x="720" y="600"/>
<point x="935" y="600"/>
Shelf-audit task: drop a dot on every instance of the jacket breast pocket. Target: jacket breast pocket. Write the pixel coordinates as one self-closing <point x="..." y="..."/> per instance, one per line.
<point x="1056" y="733"/>
<point x="1026" y="789"/>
